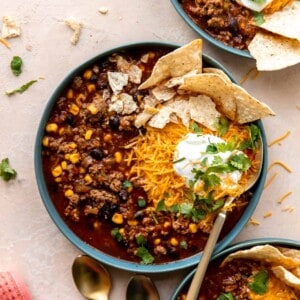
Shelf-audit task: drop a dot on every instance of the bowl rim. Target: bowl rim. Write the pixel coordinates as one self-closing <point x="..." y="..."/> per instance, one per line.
<point x="90" y="250"/>
<point x="206" y="36"/>
<point x="239" y="246"/>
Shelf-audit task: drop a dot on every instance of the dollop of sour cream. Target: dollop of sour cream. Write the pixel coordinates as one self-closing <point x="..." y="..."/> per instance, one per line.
<point x="191" y="154"/>
<point x="254" y="5"/>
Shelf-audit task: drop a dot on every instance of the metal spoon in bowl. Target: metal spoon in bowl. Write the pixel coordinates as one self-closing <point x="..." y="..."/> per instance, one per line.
<point x="215" y="232"/>
<point x="141" y="287"/>
<point x="91" y="278"/>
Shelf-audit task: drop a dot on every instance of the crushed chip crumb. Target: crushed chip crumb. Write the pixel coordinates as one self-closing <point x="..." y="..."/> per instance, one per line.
<point x="10" y="29"/>
<point x="76" y="27"/>
<point x="103" y="10"/>
<point x="288" y="209"/>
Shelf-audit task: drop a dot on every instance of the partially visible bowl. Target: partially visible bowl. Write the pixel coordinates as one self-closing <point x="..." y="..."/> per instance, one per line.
<point x="178" y="7"/>
<point x="59" y="219"/>
<point x="280" y="242"/>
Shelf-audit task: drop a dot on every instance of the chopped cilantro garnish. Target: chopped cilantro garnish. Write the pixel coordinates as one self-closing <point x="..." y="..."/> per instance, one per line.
<point x="220" y="147"/>
<point x="252" y="142"/>
<point x="222" y="126"/>
<point x="115" y="233"/>
<point x="161" y="206"/>
<point x="194" y="127"/>
<point x="141" y="240"/>
<point x="142" y="202"/>
<point x="127" y="184"/>
<point x="6" y="171"/>
<point x="258" y="18"/>
<point x="259" y="282"/>
<point x="240" y="161"/>
<point x="179" y="160"/>
<point x="16" y="65"/>
<point x="145" y="255"/>
<point x="225" y="296"/>
<point x="183" y="244"/>
<point x="21" y="89"/>
<point x="259" y="1"/>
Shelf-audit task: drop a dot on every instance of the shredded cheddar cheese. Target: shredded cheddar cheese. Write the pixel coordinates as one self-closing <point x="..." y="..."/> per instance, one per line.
<point x="279" y="139"/>
<point x="269" y="181"/>
<point x="151" y="158"/>
<point x="252" y="221"/>
<point x="288" y="209"/>
<point x="5" y="43"/>
<point x="282" y="164"/>
<point x="283" y="197"/>
<point x="268" y="214"/>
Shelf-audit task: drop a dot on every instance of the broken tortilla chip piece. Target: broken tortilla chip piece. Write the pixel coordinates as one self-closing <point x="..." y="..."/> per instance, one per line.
<point x="280" y="22"/>
<point x="287" y="277"/>
<point x="266" y="253"/>
<point x="274" y="52"/>
<point x="203" y="110"/>
<point x="176" y="63"/>
<point x="214" y="86"/>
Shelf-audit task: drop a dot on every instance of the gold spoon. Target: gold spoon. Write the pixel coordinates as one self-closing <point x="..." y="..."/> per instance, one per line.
<point x="215" y="232"/>
<point x="91" y="278"/>
<point x="141" y="287"/>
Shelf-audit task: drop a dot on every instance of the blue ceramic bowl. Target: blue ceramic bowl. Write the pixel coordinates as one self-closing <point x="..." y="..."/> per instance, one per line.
<point x="91" y="251"/>
<point x="205" y="35"/>
<point x="236" y="247"/>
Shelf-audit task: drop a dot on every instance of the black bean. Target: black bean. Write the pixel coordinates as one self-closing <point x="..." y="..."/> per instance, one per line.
<point x="97" y="153"/>
<point x="173" y="252"/>
<point x="70" y="120"/>
<point x="233" y="25"/>
<point x="107" y="210"/>
<point x="114" y="122"/>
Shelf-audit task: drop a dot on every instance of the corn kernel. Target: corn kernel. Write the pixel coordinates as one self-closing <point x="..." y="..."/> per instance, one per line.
<point x="81" y="170"/>
<point x="117" y="218"/>
<point x="70" y="94"/>
<point x="93" y="109"/>
<point x="88" y="134"/>
<point x="57" y="171"/>
<point x="118" y="157"/>
<point x="193" y="228"/>
<point x="122" y="231"/>
<point x="58" y="179"/>
<point x="87" y="74"/>
<point x="167" y="224"/>
<point x="45" y="141"/>
<point x="67" y="156"/>
<point x="151" y="55"/>
<point x="139" y="98"/>
<point x="64" y="165"/>
<point x="51" y="127"/>
<point x="174" y="241"/>
<point x="74" y="158"/>
<point x="69" y="193"/>
<point x="88" y="178"/>
<point x="157" y="241"/>
<point x="79" y="99"/>
<point x="74" y="109"/>
<point x="61" y="131"/>
<point x="91" y="88"/>
<point x="73" y="145"/>
<point x="132" y="222"/>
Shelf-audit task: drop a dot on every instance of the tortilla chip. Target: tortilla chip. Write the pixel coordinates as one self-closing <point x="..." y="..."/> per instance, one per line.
<point x="169" y="113"/>
<point x="287" y="277"/>
<point x="217" y="88"/>
<point x="265" y="253"/>
<point x="285" y="22"/>
<point x="274" y="52"/>
<point x="217" y="71"/>
<point x="248" y="108"/>
<point x="163" y="93"/>
<point x="203" y="110"/>
<point x="176" y="64"/>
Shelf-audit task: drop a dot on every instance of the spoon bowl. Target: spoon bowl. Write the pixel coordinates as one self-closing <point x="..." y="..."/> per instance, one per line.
<point x="141" y="287"/>
<point x="216" y="230"/>
<point x="91" y="278"/>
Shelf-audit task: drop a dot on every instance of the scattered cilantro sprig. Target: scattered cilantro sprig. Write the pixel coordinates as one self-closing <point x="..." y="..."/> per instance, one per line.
<point x="6" y="171"/>
<point x="225" y="296"/>
<point x="259" y="282"/>
<point x="16" y="65"/>
<point x="21" y="89"/>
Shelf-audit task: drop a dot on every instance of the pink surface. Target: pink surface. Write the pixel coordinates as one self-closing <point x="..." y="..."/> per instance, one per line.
<point x="12" y="287"/>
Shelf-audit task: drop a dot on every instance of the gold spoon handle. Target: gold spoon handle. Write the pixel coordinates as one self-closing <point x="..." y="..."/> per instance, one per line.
<point x="205" y="258"/>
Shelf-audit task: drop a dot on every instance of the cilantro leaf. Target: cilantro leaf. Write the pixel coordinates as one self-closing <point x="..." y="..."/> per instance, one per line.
<point x="21" y="89"/>
<point x="161" y="206"/>
<point x="210" y="180"/>
<point x="115" y="233"/>
<point x="259" y="283"/>
<point x="145" y="255"/>
<point x="222" y="126"/>
<point x="141" y="240"/>
<point x="225" y="296"/>
<point x="6" y="171"/>
<point x="240" y="161"/>
<point x="194" y="127"/>
<point x="258" y="18"/>
<point x="254" y="139"/>
<point x="127" y="184"/>
<point x="16" y="65"/>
